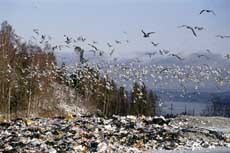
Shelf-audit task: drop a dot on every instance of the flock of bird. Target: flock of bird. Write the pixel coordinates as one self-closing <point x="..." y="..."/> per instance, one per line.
<point x="134" y="71"/>
<point x="186" y="77"/>
<point x="95" y="50"/>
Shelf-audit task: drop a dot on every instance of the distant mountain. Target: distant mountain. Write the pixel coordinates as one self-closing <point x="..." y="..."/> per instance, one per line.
<point x="202" y="97"/>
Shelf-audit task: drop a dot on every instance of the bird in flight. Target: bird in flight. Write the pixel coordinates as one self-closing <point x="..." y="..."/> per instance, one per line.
<point x="60" y="47"/>
<point x="161" y="52"/>
<point x="36" y="31"/>
<point x="199" y="56"/>
<point x="221" y="36"/>
<point x="54" y="48"/>
<point x="190" y="28"/>
<point x="109" y="45"/>
<point x="125" y="32"/>
<point x="165" y="69"/>
<point x="94" y="47"/>
<point x="115" y="59"/>
<point x="95" y="42"/>
<point x="81" y="38"/>
<point x="155" y="44"/>
<point x="208" y="11"/>
<point x="165" y="51"/>
<point x="68" y="39"/>
<point x="43" y="37"/>
<point x="118" y="42"/>
<point x="208" y="50"/>
<point x="146" y="35"/>
<point x="101" y="53"/>
<point x="227" y="56"/>
<point x="198" y="28"/>
<point x="78" y="49"/>
<point x="177" y="56"/>
<point x="112" y="51"/>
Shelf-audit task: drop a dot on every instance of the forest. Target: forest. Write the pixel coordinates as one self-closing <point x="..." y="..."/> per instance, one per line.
<point x="33" y="84"/>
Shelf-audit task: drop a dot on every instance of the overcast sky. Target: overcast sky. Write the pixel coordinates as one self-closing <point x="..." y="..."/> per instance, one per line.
<point x="106" y="20"/>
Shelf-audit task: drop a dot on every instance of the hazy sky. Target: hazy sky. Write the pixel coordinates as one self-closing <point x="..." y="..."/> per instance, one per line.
<point x="106" y="20"/>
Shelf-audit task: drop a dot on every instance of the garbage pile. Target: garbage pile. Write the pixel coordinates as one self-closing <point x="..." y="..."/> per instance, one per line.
<point x="96" y="134"/>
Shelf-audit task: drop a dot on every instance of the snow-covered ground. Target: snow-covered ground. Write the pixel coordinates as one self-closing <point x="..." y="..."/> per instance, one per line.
<point x="219" y="124"/>
<point x="215" y="150"/>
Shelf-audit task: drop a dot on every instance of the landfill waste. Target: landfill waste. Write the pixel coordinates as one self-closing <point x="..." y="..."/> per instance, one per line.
<point x="90" y="133"/>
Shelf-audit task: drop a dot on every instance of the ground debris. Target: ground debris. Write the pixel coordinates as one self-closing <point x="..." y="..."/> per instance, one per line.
<point x="90" y="133"/>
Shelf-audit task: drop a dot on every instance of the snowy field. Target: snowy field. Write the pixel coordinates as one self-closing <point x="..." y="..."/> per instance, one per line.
<point x="180" y="107"/>
<point x="215" y="150"/>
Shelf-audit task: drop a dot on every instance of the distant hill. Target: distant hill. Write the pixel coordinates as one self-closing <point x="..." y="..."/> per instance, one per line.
<point x="202" y="97"/>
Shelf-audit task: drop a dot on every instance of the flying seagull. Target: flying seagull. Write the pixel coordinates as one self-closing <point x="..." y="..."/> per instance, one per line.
<point x="146" y="35"/>
<point x="74" y="40"/>
<point x="112" y="51"/>
<point x="125" y="32"/>
<point x="94" y="47"/>
<point x="190" y="28"/>
<point x="118" y="42"/>
<point x="101" y="53"/>
<point x="81" y="38"/>
<point x="208" y="11"/>
<point x="221" y="36"/>
<point x="165" y="69"/>
<point x="67" y="46"/>
<point x="60" y="47"/>
<point x="109" y="45"/>
<point x="95" y="42"/>
<point x="36" y="31"/>
<point x="199" y="56"/>
<point x="161" y="52"/>
<point x="43" y="37"/>
<point x="165" y="51"/>
<point x="68" y="40"/>
<point x="54" y="48"/>
<point x="227" y="56"/>
<point x="177" y="56"/>
<point x="198" y="28"/>
<point x="155" y="44"/>
<point x="208" y="50"/>
<point x="78" y="49"/>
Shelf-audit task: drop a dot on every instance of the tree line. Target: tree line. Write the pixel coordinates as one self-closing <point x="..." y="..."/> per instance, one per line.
<point x="25" y="74"/>
<point x="219" y="106"/>
<point x="103" y="95"/>
<point x="29" y="76"/>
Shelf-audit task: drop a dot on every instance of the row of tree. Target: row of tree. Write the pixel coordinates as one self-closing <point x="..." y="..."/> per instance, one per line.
<point x="25" y="74"/>
<point x="29" y="77"/>
<point x="102" y="94"/>
<point x="218" y="106"/>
